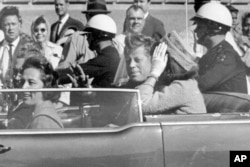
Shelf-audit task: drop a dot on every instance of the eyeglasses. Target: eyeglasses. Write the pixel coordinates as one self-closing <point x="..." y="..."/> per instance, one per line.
<point x="41" y="29"/>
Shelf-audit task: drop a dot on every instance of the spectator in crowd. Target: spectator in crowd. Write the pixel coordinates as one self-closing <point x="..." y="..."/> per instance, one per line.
<point x="11" y="25"/>
<point x="246" y="30"/>
<point x="234" y="13"/>
<point x="153" y="27"/>
<point x="221" y="68"/>
<point x="235" y="33"/>
<point x="65" y="22"/>
<point x="189" y="36"/>
<point x="166" y="81"/>
<point x="38" y="73"/>
<point x="244" y="44"/>
<point x="76" y="48"/>
<point x="246" y="25"/>
<point x="40" y="34"/>
<point x="135" y="17"/>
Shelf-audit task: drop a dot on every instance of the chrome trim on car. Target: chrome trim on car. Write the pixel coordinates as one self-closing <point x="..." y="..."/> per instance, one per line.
<point x="71" y="90"/>
<point x="76" y="130"/>
<point x="207" y="122"/>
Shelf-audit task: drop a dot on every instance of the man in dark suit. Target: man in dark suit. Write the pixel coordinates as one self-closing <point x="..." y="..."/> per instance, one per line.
<point x="65" y="22"/>
<point x="12" y="44"/>
<point x="153" y="26"/>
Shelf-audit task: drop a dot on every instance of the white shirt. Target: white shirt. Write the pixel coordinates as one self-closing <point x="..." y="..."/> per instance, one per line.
<point x="5" y="57"/>
<point x="146" y="15"/>
<point x="14" y="45"/>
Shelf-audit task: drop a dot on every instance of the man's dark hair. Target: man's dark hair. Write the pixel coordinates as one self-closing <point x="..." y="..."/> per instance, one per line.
<point x="9" y="11"/>
<point x="136" y="40"/>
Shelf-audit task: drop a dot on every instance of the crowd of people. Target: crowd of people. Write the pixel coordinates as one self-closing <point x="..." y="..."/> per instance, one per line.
<point x="139" y="58"/>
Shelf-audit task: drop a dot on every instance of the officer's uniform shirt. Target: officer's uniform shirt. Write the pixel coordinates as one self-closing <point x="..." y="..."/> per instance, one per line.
<point x="221" y="69"/>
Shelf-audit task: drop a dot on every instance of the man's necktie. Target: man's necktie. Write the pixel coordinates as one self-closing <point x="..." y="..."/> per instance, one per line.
<point x="11" y="66"/>
<point x="57" y="30"/>
<point x="10" y="50"/>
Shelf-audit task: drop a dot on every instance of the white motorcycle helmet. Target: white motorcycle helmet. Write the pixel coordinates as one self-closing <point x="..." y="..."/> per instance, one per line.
<point x="103" y="23"/>
<point x="216" y="12"/>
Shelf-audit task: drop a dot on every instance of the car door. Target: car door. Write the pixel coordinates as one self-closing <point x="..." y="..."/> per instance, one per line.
<point x="132" y="145"/>
<point x="118" y="143"/>
<point x="204" y="143"/>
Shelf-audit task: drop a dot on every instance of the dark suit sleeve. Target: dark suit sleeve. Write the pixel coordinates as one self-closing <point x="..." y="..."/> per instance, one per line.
<point x="159" y="31"/>
<point x="52" y="29"/>
<point x="95" y="67"/>
<point x="223" y="67"/>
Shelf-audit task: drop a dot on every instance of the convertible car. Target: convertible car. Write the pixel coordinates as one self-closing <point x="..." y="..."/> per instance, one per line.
<point x="106" y="128"/>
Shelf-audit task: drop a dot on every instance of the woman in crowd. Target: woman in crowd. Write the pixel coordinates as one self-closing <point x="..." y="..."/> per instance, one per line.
<point x="166" y="82"/>
<point x="246" y="25"/>
<point x="40" y="33"/>
<point x="38" y="73"/>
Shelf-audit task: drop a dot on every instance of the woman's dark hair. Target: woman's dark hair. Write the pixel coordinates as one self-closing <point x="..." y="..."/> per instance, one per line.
<point x="174" y="71"/>
<point x="48" y="75"/>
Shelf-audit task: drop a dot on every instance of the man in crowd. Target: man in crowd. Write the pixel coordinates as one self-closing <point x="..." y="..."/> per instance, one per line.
<point x="221" y="68"/>
<point x="76" y="48"/>
<point x="153" y="26"/>
<point x="9" y="48"/>
<point x="65" y="21"/>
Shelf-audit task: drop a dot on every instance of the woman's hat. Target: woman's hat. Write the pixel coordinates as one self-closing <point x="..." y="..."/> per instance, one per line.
<point x="96" y="6"/>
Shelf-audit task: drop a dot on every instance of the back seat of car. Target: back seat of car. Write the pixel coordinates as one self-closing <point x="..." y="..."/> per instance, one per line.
<point x="226" y="102"/>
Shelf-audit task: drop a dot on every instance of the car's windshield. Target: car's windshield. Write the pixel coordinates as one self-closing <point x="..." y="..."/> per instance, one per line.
<point x="86" y="108"/>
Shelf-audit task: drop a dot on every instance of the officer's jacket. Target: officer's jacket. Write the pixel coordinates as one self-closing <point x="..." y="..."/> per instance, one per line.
<point x="221" y="69"/>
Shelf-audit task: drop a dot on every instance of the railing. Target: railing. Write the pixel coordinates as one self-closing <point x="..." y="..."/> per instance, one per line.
<point x="37" y="2"/>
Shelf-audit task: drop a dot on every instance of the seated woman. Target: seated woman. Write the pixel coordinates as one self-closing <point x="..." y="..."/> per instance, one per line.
<point x="38" y="73"/>
<point x="166" y="82"/>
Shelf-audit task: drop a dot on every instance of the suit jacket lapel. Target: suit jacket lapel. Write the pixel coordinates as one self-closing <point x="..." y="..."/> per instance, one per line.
<point x="19" y="45"/>
<point x="68" y="22"/>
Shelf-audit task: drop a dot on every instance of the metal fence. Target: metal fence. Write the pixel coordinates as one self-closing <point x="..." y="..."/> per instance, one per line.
<point x="37" y="2"/>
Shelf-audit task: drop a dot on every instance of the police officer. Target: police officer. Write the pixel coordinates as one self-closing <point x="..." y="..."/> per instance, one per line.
<point x="102" y="29"/>
<point x="221" y="68"/>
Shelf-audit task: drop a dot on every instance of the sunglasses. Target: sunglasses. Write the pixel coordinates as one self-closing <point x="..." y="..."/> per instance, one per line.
<point x="42" y="30"/>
